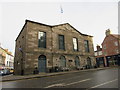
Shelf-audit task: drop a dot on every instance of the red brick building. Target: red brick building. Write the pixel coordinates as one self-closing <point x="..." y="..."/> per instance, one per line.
<point x="110" y="50"/>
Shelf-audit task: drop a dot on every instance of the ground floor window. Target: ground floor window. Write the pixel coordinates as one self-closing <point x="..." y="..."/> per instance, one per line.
<point x="77" y="61"/>
<point x="100" y="61"/>
<point x="89" y="63"/>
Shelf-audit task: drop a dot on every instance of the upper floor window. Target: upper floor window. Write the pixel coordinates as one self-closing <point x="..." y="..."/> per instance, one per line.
<point x="117" y="51"/>
<point x="75" y="44"/>
<point x="116" y="43"/>
<point x="96" y="53"/>
<point x="61" y="42"/>
<point x="104" y="46"/>
<point x="86" y="44"/>
<point x="42" y="39"/>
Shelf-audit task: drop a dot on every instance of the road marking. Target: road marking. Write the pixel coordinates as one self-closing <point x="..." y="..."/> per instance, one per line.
<point x="103" y="83"/>
<point x="78" y="82"/>
<point x="63" y="84"/>
<point x="64" y="79"/>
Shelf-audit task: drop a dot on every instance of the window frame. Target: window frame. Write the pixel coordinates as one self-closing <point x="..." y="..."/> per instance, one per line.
<point x="44" y="42"/>
<point x="87" y="49"/>
<point x="63" y="47"/>
<point x="76" y="44"/>
<point x="116" y="43"/>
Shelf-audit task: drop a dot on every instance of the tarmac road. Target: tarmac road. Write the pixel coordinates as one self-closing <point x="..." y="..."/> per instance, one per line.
<point x="107" y="78"/>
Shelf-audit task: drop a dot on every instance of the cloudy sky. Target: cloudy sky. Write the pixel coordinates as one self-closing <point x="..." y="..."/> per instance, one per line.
<point x="90" y="17"/>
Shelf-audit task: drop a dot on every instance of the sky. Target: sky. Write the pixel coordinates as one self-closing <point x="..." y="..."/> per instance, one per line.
<point x="92" y="17"/>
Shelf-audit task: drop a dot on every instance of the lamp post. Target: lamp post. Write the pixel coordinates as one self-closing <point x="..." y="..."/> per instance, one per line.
<point x="22" y="71"/>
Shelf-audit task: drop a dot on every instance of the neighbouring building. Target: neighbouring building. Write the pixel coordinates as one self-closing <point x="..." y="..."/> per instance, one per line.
<point x="110" y="52"/>
<point x="44" y="47"/>
<point x="2" y="57"/>
<point x="99" y="57"/>
<point x="6" y="59"/>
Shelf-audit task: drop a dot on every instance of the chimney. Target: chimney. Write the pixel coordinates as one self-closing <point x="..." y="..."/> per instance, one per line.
<point x="108" y="32"/>
<point x="98" y="48"/>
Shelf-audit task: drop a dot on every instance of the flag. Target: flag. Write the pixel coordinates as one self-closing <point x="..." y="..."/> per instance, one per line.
<point x="61" y="9"/>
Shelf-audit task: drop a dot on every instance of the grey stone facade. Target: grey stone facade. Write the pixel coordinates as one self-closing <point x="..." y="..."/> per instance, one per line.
<point x="27" y="50"/>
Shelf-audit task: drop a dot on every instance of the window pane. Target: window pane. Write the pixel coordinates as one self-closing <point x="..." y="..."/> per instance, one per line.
<point x="42" y="39"/>
<point x="77" y="61"/>
<point x="116" y="43"/>
<point x="75" y="44"/>
<point x="61" y="42"/>
<point x="86" y="43"/>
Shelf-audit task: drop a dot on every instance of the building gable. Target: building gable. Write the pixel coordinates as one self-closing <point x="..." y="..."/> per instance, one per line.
<point x="109" y="37"/>
<point x="65" y="26"/>
<point x="68" y="27"/>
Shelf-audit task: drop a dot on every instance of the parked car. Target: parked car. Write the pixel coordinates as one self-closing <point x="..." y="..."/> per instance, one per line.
<point x="11" y="71"/>
<point x="64" y="69"/>
<point x="80" y="67"/>
<point x="4" y="72"/>
<point x="88" y="67"/>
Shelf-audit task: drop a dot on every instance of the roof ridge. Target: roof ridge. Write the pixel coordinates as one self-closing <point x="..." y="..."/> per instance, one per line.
<point x="58" y="25"/>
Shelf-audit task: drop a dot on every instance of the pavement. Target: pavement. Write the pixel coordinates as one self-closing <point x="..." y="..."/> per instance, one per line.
<point x="19" y="77"/>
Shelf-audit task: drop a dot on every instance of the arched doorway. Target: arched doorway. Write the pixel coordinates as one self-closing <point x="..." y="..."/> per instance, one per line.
<point x="77" y="61"/>
<point x="89" y="62"/>
<point x="62" y="61"/>
<point x="42" y="63"/>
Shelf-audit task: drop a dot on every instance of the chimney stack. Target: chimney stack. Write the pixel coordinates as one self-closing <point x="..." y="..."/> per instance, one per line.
<point x="98" y="48"/>
<point x="108" y="32"/>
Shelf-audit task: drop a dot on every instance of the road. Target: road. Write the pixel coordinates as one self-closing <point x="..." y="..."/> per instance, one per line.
<point x="107" y="78"/>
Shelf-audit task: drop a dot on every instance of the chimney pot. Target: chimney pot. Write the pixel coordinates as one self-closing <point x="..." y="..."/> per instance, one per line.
<point x="108" y="32"/>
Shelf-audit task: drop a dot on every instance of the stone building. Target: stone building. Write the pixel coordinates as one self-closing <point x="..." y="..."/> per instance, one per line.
<point x="45" y="47"/>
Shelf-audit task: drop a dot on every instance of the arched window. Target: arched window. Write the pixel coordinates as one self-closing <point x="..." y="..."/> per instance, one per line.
<point x="77" y="61"/>
<point x="62" y="61"/>
<point x="88" y="61"/>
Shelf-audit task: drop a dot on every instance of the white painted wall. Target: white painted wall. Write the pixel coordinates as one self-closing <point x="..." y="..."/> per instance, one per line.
<point x="9" y="61"/>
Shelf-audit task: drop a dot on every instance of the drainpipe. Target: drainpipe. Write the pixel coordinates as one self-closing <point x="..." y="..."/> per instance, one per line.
<point x="52" y="47"/>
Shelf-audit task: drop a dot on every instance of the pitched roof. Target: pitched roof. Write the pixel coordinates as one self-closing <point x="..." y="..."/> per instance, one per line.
<point x="49" y="26"/>
<point x="58" y="25"/>
<point x="116" y="35"/>
<point x="6" y="51"/>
